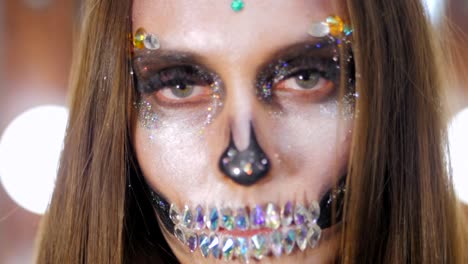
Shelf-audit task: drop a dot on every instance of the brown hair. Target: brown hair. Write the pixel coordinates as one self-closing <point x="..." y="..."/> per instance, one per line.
<point x="401" y="207"/>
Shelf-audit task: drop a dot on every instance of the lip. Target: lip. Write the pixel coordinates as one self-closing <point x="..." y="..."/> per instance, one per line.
<point x="245" y="233"/>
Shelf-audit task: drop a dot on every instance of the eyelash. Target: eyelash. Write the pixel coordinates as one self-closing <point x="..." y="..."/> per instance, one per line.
<point x="197" y="78"/>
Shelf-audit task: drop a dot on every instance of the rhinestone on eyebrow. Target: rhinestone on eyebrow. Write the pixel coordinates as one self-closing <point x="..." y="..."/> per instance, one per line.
<point x="144" y="40"/>
<point x="333" y="26"/>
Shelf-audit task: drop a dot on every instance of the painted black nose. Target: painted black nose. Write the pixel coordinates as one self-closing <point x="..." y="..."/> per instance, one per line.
<point x="245" y="167"/>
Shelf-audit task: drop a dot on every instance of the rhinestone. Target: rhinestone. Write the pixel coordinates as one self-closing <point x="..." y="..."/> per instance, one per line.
<point x="187" y="217"/>
<point x="276" y="243"/>
<point x="347" y="30"/>
<point x="199" y="218"/>
<point x="272" y="216"/>
<point x="289" y="240"/>
<point x="242" y="221"/>
<point x="139" y="38"/>
<point x="257" y="217"/>
<point x="336" y="25"/>
<point x="174" y="214"/>
<point x="259" y="246"/>
<point x="227" y="218"/>
<point x="301" y="237"/>
<point x="237" y="5"/>
<point x="213" y="220"/>
<point x="192" y="241"/>
<point x="204" y="242"/>
<point x="228" y="248"/>
<point x="179" y="233"/>
<point x="301" y="215"/>
<point x="287" y="214"/>
<point x="314" y="211"/>
<point x="319" y="30"/>
<point x="151" y="42"/>
<point x="313" y="236"/>
<point x="242" y="249"/>
<point x="214" y="246"/>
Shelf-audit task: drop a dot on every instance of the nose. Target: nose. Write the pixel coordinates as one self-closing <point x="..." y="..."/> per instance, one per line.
<point x="243" y="160"/>
<point x="245" y="167"/>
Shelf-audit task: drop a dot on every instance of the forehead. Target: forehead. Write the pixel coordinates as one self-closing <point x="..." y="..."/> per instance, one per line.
<point x="211" y="26"/>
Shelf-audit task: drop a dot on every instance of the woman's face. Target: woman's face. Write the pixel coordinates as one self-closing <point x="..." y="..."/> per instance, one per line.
<point x="254" y="73"/>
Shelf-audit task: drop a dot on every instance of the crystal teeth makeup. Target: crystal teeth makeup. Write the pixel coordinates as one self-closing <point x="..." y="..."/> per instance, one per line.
<point x="225" y="233"/>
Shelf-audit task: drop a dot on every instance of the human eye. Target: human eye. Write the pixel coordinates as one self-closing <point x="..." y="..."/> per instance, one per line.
<point x="304" y="77"/>
<point x="306" y="81"/>
<point x="177" y="85"/>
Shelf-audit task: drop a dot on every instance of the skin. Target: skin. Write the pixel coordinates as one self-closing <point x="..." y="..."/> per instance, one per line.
<point x="179" y="158"/>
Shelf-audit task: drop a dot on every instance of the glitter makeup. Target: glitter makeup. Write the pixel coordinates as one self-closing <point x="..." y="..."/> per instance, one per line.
<point x="271" y="229"/>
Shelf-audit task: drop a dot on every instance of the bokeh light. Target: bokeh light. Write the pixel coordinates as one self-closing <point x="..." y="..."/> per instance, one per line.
<point x="458" y="143"/>
<point x="29" y="153"/>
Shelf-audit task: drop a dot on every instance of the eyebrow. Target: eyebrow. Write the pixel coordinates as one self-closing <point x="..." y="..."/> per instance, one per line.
<point x="168" y="57"/>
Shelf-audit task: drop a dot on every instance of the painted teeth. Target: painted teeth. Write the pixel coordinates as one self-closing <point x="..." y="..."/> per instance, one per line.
<point x="286" y="228"/>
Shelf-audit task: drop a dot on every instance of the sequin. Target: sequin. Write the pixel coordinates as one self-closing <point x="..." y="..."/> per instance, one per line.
<point x="257" y="217"/>
<point x="214" y="246"/>
<point x="187" y="217"/>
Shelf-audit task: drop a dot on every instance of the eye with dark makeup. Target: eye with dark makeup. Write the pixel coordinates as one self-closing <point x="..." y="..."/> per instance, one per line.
<point x="176" y="84"/>
<point x="305" y="75"/>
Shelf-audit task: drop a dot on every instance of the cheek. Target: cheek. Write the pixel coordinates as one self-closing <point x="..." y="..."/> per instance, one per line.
<point x="317" y="146"/>
<point x="171" y="155"/>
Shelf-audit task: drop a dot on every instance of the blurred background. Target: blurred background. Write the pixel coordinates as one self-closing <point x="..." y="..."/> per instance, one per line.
<point x="36" y="42"/>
